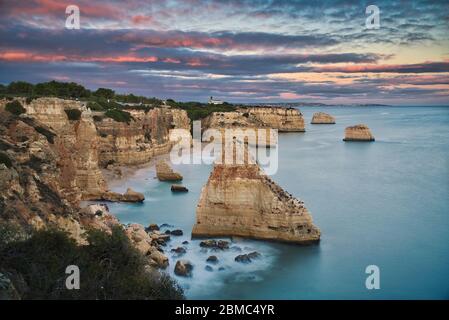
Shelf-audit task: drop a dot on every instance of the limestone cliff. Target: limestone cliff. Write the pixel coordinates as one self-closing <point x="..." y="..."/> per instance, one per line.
<point x="140" y="140"/>
<point x="74" y="143"/>
<point x="39" y="184"/>
<point x="322" y="118"/>
<point x="359" y="132"/>
<point x="240" y="200"/>
<point x="282" y="119"/>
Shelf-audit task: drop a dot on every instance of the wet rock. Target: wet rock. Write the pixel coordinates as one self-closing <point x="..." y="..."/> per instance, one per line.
<point x="212" y="259"/>
<point x="183" y="268"/>
<point x="152" y="227"/>
<point x="236" y="249"/>
<point x="185" y="242"/>
<point x="247" y="258"/>
<point x="214" y="244"/>
<point x="165" y="225"/>
<point x="179" y="250"/>
<point x="209" y="268"/>
<point x="179" y="188"/>
<point x="176" y="232"/>
<point x="167" y="232"/>
<point x="221" y="269"/>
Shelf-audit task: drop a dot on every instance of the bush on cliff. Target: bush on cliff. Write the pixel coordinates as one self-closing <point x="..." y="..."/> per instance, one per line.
<point x="15" y="107"/>
<point x="119" y="115"/>
<point x="198" y="110"/>
<point x="73" y="114"/>
<point x="5" y="160"/>
<point x="110" y="267"/>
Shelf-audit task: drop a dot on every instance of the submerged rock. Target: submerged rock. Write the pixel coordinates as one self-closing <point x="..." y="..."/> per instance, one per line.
<point x="183" y="268"/>
<point x="176" y="232"/>
<point x="322" y="118"/>
<point x="214" y="244"/>
<point x="165" y="173"/>
<point x="209" y="268"/>
<point x="212" y="259"/>
<point x="179" y="250"/>
<point x="179" y="188"/>
<point x="247" y="258"/>
<point x="359" y="132"/>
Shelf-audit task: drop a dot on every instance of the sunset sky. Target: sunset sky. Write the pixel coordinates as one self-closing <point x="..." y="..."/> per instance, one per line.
<point x="238" y="51"/>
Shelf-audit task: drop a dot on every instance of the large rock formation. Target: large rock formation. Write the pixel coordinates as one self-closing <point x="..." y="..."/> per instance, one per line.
<point x="359" y="132"/>
<point x="145" y="137"/>
<point x="280" y="118"/>
<point x="240" y="200"/>
<point x="322" y="118"/>
<point x="39" y="183"/>
<point x="165" y="173"/>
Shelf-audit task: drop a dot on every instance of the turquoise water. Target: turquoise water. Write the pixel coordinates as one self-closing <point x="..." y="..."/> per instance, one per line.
<point x="384" y="203"/>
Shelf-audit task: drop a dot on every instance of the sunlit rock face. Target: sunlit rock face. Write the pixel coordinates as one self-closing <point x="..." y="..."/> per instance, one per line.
<point x="359" y="132"/>
<point x="140" y="140"/>
<point x="240" y="200"/>
<point x="322" y="118"/>
<point x="280" y="118"/>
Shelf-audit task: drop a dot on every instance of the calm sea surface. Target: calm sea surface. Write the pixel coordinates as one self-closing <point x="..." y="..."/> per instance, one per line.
<point x="384" y="203"/>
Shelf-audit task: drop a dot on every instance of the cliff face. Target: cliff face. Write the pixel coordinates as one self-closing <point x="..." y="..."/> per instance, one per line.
<point x="322" y="118"/>
<point x="239" y="200"/>
<point x="75" y="145"/>
<point x="40" y="181"/>
<point x="282" y="119"/>
<point x="140" y="140"/>
<point x="359" y="132"/>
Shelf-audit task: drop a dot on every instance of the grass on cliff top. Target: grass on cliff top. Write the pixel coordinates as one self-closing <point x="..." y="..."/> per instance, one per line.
<point x="119" y="115"/>
<point x="110" y="267"/>
<point x="198" y="111"/>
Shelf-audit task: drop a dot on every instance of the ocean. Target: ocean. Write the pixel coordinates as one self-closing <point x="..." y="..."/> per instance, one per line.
<point x="384" y="203"/>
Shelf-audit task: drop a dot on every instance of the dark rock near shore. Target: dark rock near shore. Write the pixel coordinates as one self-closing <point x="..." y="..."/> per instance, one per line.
<point x="152" y="227"/>
<point x="177" y="232"/>
<point x="247" y="258"/>
<point x="179" y="188"/>
<point x="183" y="268"/>
<point x="214" y="244"/>
<point x="179" y="250"/>
<point x="212" y="259"/>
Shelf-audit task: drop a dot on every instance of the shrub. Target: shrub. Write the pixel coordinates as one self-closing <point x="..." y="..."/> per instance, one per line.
<point x="5" y="160"/>
<point x="94" y="106"/>
<point x="73" y="114"/>
<point x="15" y="107"/>
<point x="119" y="115"/>
<point x="110" y="267"/>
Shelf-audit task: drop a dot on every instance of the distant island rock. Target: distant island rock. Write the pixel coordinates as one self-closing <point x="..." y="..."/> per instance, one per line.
<point x="322" y="118"/>
<point x="359" y="132"/>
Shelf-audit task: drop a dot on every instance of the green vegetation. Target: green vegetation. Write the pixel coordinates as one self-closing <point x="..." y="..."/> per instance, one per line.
<point x="197" y="110"/>
<point x="5" y="159"/>
<point x="110" y="267"/>
<point x="119" y="115"/>
<point x="106" y="100"/>
<point x="15" y="107"/>
<point x="73" y="114"/>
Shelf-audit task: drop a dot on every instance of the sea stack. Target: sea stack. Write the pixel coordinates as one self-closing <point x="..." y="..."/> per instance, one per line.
<point x="359" y="132"/>
<point x="165" y="173"/>
<point x="322" y="118"/>
<point x="240" y="200"/>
